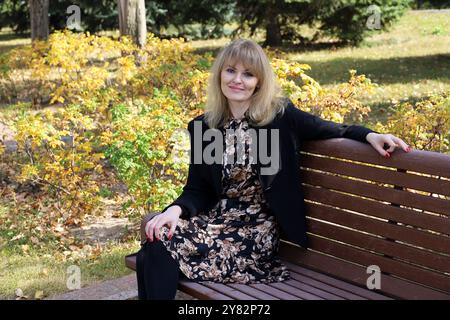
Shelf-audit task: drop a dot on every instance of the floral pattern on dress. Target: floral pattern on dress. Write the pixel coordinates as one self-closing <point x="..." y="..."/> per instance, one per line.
<point x="237" y="240"/>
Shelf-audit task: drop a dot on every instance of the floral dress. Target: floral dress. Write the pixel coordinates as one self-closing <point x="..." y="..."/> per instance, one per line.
<point x="237" y="240"/>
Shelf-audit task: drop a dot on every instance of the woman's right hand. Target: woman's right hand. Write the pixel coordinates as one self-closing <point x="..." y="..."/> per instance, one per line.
<point x="169" y="217"/>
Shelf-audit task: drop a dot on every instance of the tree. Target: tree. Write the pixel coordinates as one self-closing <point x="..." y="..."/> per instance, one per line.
<point x="39" y="19"/>
<point x="15" y="15"/>
<point x="427" y="4"/>
<point x="132" y="20"/>
<point x="96" y="16"/>
<point x="344" y="19"/>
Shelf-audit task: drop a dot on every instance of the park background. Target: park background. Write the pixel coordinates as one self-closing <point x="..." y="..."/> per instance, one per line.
<point x="92" y="97"/>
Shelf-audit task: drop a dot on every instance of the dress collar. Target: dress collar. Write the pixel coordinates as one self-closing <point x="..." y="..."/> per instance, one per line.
<point x="245" y="116"/>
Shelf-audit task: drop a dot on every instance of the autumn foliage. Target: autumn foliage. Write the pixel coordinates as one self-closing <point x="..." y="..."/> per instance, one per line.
<point x="113" y="114"/>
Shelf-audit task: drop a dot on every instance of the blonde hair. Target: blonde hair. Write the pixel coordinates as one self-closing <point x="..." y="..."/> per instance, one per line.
<point x="265" y="102"/>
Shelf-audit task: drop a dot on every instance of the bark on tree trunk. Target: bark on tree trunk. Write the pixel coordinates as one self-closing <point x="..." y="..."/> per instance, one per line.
<point x="132" y="20"/>
<point x="39" y="19"/>
<point x="273" y="34"/>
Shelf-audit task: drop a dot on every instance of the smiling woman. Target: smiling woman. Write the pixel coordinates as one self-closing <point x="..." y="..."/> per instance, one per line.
<point x="242" y="80"/>
<point x="238" y="85"/>
<point x="226" y="225"/>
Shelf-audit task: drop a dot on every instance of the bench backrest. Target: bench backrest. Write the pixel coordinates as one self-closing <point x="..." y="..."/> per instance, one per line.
<point x="393" y="213"/>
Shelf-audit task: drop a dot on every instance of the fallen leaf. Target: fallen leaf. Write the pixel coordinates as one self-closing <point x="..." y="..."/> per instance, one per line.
<point x="20" y="295"/>
<point x="19" y="236"/>
<point x="19" y="292"/>
<point x="39" y="295"/>
<point x="44" y="272"/>
<point x="74" y="248"/>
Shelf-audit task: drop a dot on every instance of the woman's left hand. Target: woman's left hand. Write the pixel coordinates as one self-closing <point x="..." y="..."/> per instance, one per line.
<point x="378" y="140"/>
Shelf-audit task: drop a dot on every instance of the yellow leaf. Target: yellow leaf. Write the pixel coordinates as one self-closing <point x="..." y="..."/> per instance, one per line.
<point x="39" y="295"/>
<point x="34" y="240"/>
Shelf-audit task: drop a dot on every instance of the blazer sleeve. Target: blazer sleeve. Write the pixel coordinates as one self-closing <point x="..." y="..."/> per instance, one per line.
<point x="196" y="195"/>
<point x="310" y="127"/>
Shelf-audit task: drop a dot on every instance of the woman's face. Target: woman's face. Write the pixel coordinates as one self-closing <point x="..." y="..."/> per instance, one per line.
<point x="237" y="83"/>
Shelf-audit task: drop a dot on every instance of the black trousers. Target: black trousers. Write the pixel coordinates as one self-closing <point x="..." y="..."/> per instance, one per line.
<point x="157" y="272"/>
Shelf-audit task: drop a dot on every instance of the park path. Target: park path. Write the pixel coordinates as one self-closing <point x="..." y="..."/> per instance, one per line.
<point x="124" y="288"/>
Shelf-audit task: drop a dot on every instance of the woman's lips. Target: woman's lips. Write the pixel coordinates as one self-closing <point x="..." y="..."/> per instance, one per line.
<point x="235" y="88"/>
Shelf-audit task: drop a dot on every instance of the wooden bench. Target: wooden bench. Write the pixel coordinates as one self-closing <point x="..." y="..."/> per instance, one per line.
<point x="392" y="213"/>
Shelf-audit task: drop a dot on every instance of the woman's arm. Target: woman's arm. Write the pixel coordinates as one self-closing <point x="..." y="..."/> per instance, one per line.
<point x="310" y="127"/>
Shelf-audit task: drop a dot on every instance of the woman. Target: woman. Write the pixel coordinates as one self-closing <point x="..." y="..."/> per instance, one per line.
<point x="226" y="224"/>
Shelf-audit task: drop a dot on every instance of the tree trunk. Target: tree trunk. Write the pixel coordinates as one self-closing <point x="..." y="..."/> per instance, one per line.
<point x="132" y="20"/>
<point x="39" y="19"/>
<point x="273" y="34"/>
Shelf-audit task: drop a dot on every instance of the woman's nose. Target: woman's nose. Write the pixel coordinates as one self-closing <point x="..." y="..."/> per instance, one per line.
<point x="237" y="78"/>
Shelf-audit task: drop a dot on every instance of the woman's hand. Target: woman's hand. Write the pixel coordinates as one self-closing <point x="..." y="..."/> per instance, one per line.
<point x="169" y="217"/>
<point x="378" y="141"/>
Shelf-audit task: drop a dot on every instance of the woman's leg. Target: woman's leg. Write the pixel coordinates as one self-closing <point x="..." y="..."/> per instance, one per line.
<point x="157" y="272"/>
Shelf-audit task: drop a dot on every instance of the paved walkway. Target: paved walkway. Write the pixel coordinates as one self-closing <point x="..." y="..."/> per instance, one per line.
<point x="124" y="288"/>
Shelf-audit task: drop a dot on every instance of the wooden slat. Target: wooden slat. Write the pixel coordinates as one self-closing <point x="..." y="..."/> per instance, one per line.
<point x="395" y="287"/>
<point x="378" y="209"/>
<point x="228" y="291"/>
<point x="336" y="294"/>
<point x="390" y="231"/>
<point x="313" y="290"/>
<point x="356" y="274"/>
<point x="386" y="265"/>
<point x="253" y="292"/>
<point x="386" y="175"/>
<point x="274" y="291"/>
<point x="437" y="262"/>
<point x="417" y="160"/>
<point x="130" y="261"/>
<point x="300" y="294"/>
<point x="373" y="191"/>
<point x="338" y="287"/>
<point x="200" y="291"/>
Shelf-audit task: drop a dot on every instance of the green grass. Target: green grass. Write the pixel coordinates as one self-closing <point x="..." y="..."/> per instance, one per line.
<point x="40" y="271"/>
<point x="9" y="41"/>
<point x="408" y="63"/>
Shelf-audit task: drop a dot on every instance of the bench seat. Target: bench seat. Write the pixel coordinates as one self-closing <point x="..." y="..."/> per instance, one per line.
<point x="306" y="284"/>
<point x="363" y="212"/>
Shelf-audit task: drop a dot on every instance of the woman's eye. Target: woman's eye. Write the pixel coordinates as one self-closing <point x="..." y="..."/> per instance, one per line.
<point x="248" y="74"/>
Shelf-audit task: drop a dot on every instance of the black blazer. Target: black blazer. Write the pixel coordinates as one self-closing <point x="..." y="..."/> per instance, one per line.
<point x="282" y="189"/>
